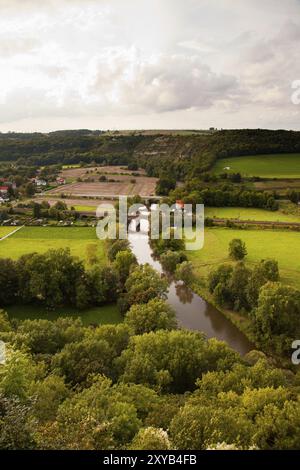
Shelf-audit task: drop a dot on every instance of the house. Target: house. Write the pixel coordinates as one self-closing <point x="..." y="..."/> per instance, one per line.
<point x="60" y="180"/>
<point x="4" y="190"/>
<point x="1" y="200"/>
<point x="40" y="183"/>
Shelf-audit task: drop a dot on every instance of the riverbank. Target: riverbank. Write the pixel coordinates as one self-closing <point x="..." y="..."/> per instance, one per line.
<point x="193" y="312"/>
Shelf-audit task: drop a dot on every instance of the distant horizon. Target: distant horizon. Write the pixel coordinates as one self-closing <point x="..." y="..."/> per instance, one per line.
<point x="162" y="129"/>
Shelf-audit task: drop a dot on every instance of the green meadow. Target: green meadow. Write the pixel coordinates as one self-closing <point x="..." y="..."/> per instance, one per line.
<point x="265" y="166"/>
<point x="283" y="246"/>
<point x="40" y="239"/>
<point x="6" y="230"/>
<point x="97" y="315"/>
<point x="245" y="213"/>
<point x="85" y="208"/>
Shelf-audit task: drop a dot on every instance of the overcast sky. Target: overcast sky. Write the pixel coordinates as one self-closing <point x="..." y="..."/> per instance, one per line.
<point x="108" y="64"/>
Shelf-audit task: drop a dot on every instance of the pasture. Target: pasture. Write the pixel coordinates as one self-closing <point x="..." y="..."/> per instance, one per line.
<point x="283" y="246"/>
<point x="40" y="239"/>
<point x="249" y="213"/>
<point x="6" y="230"/>
<point x="265" y="166"/>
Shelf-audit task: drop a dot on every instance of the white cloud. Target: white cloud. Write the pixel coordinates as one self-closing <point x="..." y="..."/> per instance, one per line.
<point x="193" y="63"/>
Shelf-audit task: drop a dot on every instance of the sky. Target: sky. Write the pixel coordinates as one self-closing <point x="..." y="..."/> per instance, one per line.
<point x="148" y="64"/>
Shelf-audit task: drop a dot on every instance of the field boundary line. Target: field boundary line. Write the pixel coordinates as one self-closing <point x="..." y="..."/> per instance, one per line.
<point x="11" y="233"/>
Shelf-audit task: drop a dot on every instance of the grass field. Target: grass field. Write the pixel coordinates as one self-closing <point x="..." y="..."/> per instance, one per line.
<point x="6" y="230"/>
<point x="41" y="239"/>
<point x="284" y="246"/>
<point x="98" y="315"/>
<point x="265" y="166"/>
<point x="85" y="208"/>
<point x="243" y="213"/>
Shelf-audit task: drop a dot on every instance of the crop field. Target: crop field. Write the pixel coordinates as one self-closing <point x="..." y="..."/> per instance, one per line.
<point x="97" y="315"/>
<point x="265" y="166"/>
<point x="127" y="186"/>
<point x="283" y="246"/>
<point x="281" y="186"/>
<point x="40" y="239"/>
<point x="250" y="213"/>
<point x="81" y="172"/>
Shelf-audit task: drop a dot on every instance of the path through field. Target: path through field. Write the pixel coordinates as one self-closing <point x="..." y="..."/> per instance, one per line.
<point x="11" y="233"/>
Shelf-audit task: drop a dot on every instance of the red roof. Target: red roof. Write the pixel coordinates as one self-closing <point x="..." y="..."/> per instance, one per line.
<point x="3" y="188"/>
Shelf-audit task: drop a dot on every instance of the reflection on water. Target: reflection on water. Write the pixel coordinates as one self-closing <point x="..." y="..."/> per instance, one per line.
<point x="192" y="311"/>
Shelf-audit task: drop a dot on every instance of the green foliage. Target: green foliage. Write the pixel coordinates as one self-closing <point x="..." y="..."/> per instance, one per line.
<point x="169" y="260"/>
<point x="237" y="249"/>
<point x="151" y="439"/>
<point x="115" y="246"/>
<point x="153" y="316"/>
<point x="185" y="272"/>
<point x="144" y="284"/>
<point x="172" y="361"/>
<point x="277" y="314"/>
<point x="8" y="281"/>
<point x="124" y="262"/>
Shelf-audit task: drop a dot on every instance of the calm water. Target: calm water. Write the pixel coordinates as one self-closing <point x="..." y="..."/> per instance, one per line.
<point x="192" y="311"/>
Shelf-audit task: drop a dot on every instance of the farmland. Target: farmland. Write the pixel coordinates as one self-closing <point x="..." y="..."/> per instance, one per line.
<point x="125" y="186"/>
<point x="41" y="239"/>
<point x="265" y="166"/>
<point x="245" y="214"/>
<point x="76" y="171"/>
<point x="261" y="244"/>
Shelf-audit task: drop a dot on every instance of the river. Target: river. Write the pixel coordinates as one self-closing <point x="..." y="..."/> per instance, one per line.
<point x="192" y="312"/>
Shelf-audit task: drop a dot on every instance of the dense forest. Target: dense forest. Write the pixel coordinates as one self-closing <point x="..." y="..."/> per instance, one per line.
<point x="179" y="155"/>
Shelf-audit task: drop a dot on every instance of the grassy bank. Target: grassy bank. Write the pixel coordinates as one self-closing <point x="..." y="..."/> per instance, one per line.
<point x="96" y="315"/>
<point x="41" y="239"/>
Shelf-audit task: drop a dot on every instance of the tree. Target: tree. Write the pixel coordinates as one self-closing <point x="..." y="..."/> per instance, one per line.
<point x="49" y="394"/>
<point x="17" y="374"/>
<point x="115" y="246"/>
<point x="51" y="278"/>
<point x="29" y="189"/>
<point x="151" y="439"/>
<point x="102" y="284"/>
<point x="78" y="360"/>
<point x="278" y="311"/>
<point x="36" y="210"/>
<point x="17" y="426"/>
<point x="172" y="360"/>
<point x="165" y="184"/>
<point x="266" y="270"/>
<point x="8" y="281"/>
<point x="169" y="260"/>
<point x="221" y="275"/>
<point x="237" y="249"/>
<point x="185" y="272"/>
<point x="153" y="316"/>
<point x="123" y="264"/>
<point x="144" y="284"/>
<point x="97" y="418"/>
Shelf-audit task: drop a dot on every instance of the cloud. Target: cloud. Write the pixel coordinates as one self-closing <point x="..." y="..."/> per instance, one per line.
<point x="187" y="62"/>
<point x="161" y="83"/>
